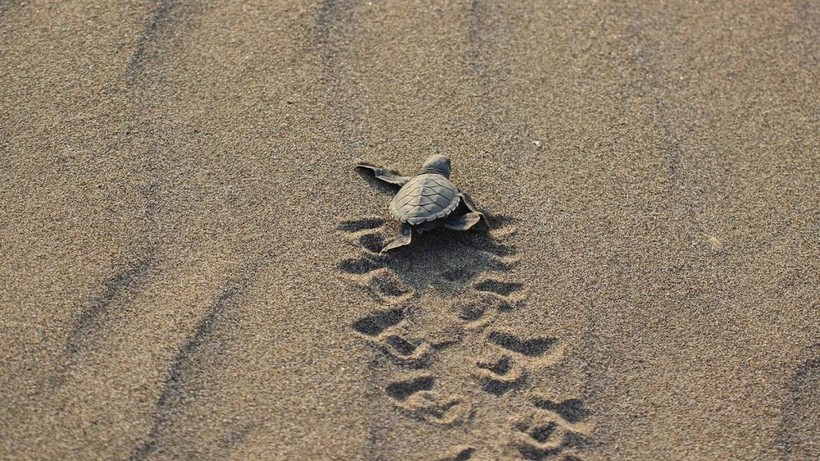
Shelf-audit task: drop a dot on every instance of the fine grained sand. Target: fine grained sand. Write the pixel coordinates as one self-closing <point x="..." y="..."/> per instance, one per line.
<point x="186" y="251"/>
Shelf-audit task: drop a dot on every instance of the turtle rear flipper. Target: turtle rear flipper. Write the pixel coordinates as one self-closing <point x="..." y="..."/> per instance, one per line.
<point x="384" y="175"/>
<point x="404" y="238"/>
<point x="468" y="202"/>
<point x="463" y="222"/>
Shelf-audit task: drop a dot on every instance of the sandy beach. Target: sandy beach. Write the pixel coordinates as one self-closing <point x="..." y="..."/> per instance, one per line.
<point x="190" y="267"/>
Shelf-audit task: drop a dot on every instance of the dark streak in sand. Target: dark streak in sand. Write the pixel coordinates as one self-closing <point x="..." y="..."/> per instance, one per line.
<point x="236" y="437"/>
<point x="645" y="58"/>
<point x="488" y="33"/>
<point x="482" y="31"/>
<point x="7" y="5"/>
<point x="327" y="17"/>
<point x="375" y="439"/>
<point x="176" y="391"/>
<point x="99" y="307"/>
<point x="334" y="26"/>
<point x="160" y="17"/>
<point x="474" y="31"/>
<point x="99" y="313"/>
<point x="799" y="416"/>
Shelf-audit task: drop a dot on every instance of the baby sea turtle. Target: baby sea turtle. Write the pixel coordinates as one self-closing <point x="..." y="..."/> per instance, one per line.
<point x="427" y="200"/>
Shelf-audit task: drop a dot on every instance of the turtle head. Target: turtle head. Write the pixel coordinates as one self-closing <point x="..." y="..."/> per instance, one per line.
<point x="436" y="164"/>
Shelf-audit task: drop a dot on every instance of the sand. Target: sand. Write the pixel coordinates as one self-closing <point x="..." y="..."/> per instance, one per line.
<point x="189" y="260"/>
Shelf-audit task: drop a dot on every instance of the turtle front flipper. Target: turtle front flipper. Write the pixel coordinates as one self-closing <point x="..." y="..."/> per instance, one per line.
<point x="384" y="175"/>
<point x="404" y="237"/>
<point x="463" y="222"/>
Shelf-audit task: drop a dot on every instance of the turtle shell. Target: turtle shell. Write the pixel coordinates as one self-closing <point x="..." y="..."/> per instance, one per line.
<point x="426" y="197"/>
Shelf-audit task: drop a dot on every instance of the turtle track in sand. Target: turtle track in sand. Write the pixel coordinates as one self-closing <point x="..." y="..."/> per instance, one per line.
<point x="431" y="313"/>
